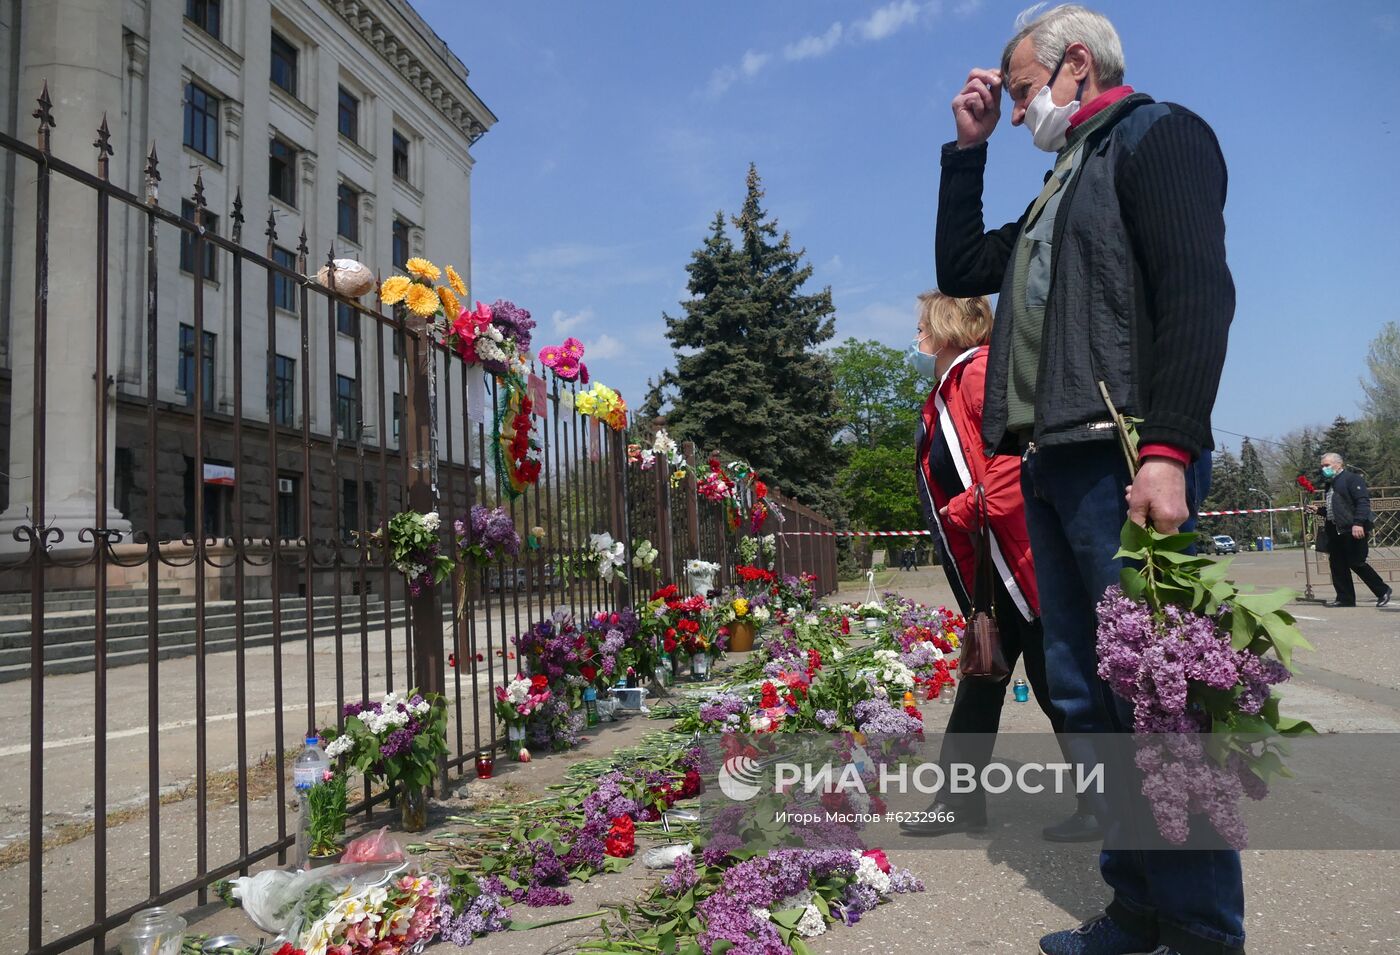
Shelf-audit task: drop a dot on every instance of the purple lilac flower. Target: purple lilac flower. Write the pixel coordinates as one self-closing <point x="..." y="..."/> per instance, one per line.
<point x="858" y="900"/>
<point x="513" y="321"/>
<point x="541" y="896"/>
<point x="876" y="717"/>
<point x="399" y="742"/>
<point x="483" y="916"/>
<point x="547" y="870"/>
<point x="827" y="718"/>
<point x="720" y="707"/>
<point x="902" y="881"/>
<point x="682" y="878"/>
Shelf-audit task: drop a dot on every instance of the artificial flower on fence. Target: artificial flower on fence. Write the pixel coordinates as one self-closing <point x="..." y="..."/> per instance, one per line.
<point x="414" y="549"/>
<point x="644" y="555"/>
<point x="516" y="453"/>
<point x="608" y="554"/>
<point x="603" y="403"/>
<point x="566" y="360"/>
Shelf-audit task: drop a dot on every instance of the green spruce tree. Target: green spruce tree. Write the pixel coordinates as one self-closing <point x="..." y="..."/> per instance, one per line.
<point x="748" y="378"/>
<point x="1255" y="482"/>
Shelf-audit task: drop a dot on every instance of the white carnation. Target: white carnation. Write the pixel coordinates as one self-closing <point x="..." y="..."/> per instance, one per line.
<point x="340" y="746"/>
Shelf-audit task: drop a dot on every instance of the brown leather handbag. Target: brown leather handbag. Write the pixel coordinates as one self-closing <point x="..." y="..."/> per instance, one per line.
<point x="982" y="657"/>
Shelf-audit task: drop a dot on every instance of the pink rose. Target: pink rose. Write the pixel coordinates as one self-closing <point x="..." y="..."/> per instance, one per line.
<point x="881" y="860"/>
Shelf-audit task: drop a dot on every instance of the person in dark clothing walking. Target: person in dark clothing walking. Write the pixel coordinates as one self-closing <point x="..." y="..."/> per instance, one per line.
<point x="1348" y="527"/>
<point x="1113" y="282"/>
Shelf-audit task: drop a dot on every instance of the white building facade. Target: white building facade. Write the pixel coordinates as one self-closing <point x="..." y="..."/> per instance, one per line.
<point x="349" y="119"/>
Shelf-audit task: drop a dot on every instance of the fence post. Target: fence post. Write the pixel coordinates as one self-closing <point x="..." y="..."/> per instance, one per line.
<point x="425" y="609"/>
<point x="692" y="503"/>
<point x="663" y="520"/>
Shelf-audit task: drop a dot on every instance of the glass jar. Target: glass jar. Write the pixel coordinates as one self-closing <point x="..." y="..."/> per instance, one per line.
<point x="154" y="931"/>
<point x="413" y="807"/>
<point x="700" y="666"/>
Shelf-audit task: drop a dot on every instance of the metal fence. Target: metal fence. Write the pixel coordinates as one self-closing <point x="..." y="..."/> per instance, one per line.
<point x="172" y="663"/>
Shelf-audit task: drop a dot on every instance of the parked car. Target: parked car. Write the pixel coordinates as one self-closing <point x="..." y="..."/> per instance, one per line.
<point x="1225" y="544"/>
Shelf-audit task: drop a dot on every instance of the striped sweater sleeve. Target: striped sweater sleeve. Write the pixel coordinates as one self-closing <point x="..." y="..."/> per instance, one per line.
<point x="1172" y="192"/>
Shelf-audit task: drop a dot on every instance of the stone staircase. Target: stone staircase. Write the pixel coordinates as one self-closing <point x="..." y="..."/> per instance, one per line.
<point x="70" y="630"/>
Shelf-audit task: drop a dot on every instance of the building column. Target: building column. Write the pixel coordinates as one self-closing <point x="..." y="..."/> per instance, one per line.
<point x="76" y="47"/>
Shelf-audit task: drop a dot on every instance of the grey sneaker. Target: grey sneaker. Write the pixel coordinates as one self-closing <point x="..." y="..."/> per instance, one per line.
<point x="1099" y="936"/>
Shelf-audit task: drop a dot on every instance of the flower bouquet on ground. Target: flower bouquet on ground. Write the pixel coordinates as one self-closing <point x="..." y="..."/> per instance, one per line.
<point x="1197" y="658"/>
<point x="614" y="647"/>
<point x="556" y="649"/>
<point x="516" y="702"/>
<point x="768" y="903"/>
<point x="414" y="549"/>
<point x="398" y="739"/>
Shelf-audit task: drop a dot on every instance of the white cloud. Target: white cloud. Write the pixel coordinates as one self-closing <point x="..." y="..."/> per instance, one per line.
<point x="564" y="323"/>
<point x="603" y="348"/>
<point x="883" y="23"/>
<point x="753" y="62"/>
<point x="833" y="264"/>
<point x="967" y="8"/>
<point x="813" y="46"/>
<point x="888" y="20"/>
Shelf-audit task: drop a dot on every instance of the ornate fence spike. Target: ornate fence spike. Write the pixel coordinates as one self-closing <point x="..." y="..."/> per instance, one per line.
<point x="199" y="202"/>
<point x="103" y="145"/>
<point x="302" y="248"/>
<point x="237" y="231"/>
<point x="152" y="176"/>
<point x="271" y="230"/>
<point x="44" y="114"/>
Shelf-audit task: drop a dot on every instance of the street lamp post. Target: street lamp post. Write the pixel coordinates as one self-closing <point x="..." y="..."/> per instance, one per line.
<point x="1269" y="503"/>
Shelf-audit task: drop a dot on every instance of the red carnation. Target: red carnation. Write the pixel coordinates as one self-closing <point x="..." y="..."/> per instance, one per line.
<point x="539" y="682"/>
<point x="669" y="644"/>
<point x="691" y="785"/>
<point x="760" y="490"/>
<point x="769" y="697"/>
<point x="588" y="671"/>
<point x="621" y="841"/>
<point x="1305" y="484"/>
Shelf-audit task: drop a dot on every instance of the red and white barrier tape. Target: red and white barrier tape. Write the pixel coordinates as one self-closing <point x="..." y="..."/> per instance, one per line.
<point x="1252" y="510"/>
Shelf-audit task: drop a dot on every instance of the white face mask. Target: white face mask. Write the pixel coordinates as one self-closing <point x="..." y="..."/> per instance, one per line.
<point x="1048" y="123"/>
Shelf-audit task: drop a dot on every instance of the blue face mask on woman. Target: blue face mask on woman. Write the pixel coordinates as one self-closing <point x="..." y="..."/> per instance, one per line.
<point x="924" y="363"/>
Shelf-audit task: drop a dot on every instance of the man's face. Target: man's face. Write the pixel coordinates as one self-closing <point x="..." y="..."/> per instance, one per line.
<point x="1026" y="76"/>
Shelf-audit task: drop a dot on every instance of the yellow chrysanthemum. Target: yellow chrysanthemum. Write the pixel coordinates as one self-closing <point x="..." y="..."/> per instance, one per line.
<point x="421" y="300"/>
<point x="423" y="269"/>
<point x="450" y="306"/>
<point x="458" y="285"/>
<point x="394" y="289"/>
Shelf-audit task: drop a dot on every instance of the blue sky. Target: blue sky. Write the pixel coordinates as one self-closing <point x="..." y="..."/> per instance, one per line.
<point x="625" y="126"/>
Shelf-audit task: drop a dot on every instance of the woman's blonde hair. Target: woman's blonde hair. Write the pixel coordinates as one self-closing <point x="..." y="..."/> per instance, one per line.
<point x="960" y="322"/>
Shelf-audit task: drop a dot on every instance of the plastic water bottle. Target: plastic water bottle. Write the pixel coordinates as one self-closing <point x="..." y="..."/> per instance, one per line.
<point x="310" y="767"/>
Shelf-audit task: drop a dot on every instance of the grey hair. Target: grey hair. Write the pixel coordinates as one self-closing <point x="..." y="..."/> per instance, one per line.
<point x="1052" y="31"/>
<point x="1332" y="456"/>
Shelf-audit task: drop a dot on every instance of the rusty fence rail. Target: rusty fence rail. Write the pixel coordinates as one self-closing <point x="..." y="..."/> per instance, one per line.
<point x="215" y="597"/>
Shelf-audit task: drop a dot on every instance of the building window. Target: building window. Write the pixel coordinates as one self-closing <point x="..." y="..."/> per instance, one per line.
<point x="347" y="321"/>
<point x="347" y="212"/>
<point x="211" y="251"/>
<point x="400" y="250"/>
<point x="284" y="63"/>
<point x="284" y="401"/>
<point x="401" y="156"/>
<point x="346" y="407"/>
<point x="398" y="342"/>
<point x="185" y="375"/>
<point x="284" y="287"/>
<point x="202" y="121"/>
<point x="123" y="480"/>
<point x="398" y="415"/>
<point x="350" y="494"/>
<point x="288" y="507"/>
<point x="348" y="116"/>
<point x="218" y="501"/>
<point x="282" y="172"/>
<point x="204" y="14"/>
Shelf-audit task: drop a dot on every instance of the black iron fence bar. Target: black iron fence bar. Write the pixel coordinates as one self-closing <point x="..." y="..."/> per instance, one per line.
<point x="201" y="738"/>
<point x="37" y="535"/>
<point x="152" y="535"/>
<point x="240" y="535"/>
<point x="276" y="537"/>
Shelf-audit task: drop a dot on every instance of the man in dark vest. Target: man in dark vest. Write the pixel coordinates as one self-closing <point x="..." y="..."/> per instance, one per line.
<point x="1349" y="521"/>
<point x="1114" y="280"/>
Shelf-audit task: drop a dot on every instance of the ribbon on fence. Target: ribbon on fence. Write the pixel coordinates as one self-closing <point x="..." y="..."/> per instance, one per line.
<point x="1251" y="510"/>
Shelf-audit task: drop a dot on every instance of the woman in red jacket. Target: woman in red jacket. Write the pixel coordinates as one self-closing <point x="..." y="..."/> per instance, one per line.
<point x="951" y="349"/>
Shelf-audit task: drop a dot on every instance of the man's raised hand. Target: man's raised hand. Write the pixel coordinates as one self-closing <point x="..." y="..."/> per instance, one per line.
<point x="977" y="107"/>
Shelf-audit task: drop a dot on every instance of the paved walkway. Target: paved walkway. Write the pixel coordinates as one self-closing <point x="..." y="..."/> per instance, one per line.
<point x="996" y="892"/>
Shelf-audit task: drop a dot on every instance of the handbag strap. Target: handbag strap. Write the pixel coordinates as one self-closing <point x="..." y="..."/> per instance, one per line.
<point x="984" y="573"/>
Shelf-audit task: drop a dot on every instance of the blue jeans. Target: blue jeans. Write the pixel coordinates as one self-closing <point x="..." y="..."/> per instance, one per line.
<point x="1188" y="900"/>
